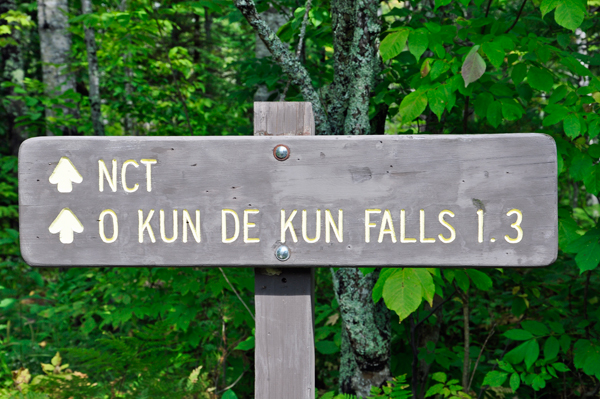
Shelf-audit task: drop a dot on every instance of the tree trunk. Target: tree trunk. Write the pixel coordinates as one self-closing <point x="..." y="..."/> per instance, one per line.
<point x="93" y="73"/>
<point x="128" y="121"/>
<point x="365" y="352"/>
<point x="55" y="48"/>
<point x="11" y="70"/>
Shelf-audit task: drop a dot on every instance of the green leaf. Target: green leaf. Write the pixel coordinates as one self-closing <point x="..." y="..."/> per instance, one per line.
<point x="532" y="353"/>
<point x="494" y="113"/>
<point x="441" y="3"/>
<point x="402" y="292"/>
<point x="434" y="390"/>
<point x="462" y="280"/>
<point x="589" y="257"/>
<point x="535" y="327"/>
<point x="518" y="73"/>
<point x="439" y="377"/>
<point x="326" y="347"/>
<point x="570" y="13"/>
<point x="439" y="67"/>
<point x="580" y="166"/>
<point x="560" y="367"/>
<point x="245" y="345"/>
<point x="393" y="44"/>
<point x="540" y="79"/>
<point x="594" y="128"/>
<point x="473" y="67"/>
<point x="567" y="231"/>
<point x="418" y="41"/>
<point x="558" y="94"/>
<point x="551" y="347"/>
<point x="437" y="102"/>
<point x="518" y="335"/>
<point x="427" y="285"/>
<point x="378" y="288"/>
<point x="480" y="279"/>
<point x="572" y="126"/>
<point x="495" y="378"/>
<point x="412" y="106"/>
<point x="511" y="109"/>
<point x="515" y="382"/>
<point x="592" y="180"/>
<point x="229" y="394"/>
<point x="7" y="302"/>
<point x="547" y="6"/>
<point x="494" y="52"/>
<point x="587" y="357"/>
<point x="516" y="355"/>
<point x="482" y="102"/>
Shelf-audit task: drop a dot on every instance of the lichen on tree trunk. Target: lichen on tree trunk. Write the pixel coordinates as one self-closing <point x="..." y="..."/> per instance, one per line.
<point x="366" y="333"/>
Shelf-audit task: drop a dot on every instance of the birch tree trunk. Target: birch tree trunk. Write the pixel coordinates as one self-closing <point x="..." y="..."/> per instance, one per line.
<point x="55" y="48"/>
<point x="93" y="73"/>
<point x="11" y="70"/>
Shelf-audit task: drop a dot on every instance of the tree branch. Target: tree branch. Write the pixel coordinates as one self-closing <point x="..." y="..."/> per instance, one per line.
<point x="300" y="43"/>
<point x="237" y="294"/>
<point x="287" y="61"/>
<point x="518" y="16"/>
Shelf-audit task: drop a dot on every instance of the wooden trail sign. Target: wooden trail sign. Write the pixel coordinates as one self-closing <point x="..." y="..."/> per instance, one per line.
<point x="485" y="200"/>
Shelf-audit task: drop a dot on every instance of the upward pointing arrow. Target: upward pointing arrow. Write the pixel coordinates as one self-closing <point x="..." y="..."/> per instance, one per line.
<point x="66" y="223"/>
<point x="65" y="175"/>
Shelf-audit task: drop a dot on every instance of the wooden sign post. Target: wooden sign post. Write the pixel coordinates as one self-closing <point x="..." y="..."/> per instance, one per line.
<point x="284" y="202"/>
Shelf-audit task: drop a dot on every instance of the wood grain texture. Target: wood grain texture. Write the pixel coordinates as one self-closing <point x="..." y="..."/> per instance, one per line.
<point x="496" y="173"/>
<point x="284" y="298"/>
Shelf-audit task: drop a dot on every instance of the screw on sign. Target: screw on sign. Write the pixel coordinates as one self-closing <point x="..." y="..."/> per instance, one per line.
<point x="287" y="204"/>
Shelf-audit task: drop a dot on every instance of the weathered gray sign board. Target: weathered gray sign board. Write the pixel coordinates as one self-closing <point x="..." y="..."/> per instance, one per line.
<point x="485" y="200"/>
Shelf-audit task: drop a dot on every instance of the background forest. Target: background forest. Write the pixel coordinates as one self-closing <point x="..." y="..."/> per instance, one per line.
<point x="139" y="67"/>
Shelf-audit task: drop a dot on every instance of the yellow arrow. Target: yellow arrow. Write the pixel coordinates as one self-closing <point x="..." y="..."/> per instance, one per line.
<point x="66" y="223"/>
<point x="65" y="175"/>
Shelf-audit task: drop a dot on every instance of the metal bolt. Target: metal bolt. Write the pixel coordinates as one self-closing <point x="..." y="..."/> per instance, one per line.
<point x="282" y="253"/>
<point x="281" y="152"/>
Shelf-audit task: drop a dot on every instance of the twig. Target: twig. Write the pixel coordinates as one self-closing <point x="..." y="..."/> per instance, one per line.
<point x="300" y="42"/>
<point x="487" y="12"/>
<point x="435" y="309"/>
<point x="518" y="16"/>
<point x="236" y="293"/>
<point x="232" y="385"/>
<point x="287" y="61"/>
<point x="481" y="353"/>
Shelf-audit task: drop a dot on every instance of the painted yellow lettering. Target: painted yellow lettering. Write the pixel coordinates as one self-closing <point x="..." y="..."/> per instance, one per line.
<point x="236" y="221"/>
<point x="403" y="238"/>
<point x="103" y="172"/>
<point x="368" y="224"/>
<point x="516" y="225"/>
<point x="448" y="226"/>
<point x="386" y="220"/>
<point x="115" y="226"/>
<point x="145" y="225"/>
<point x="124" y="177"/>
<point x="318" y="227"/>
<point x="330" y="223"/>
<point x="163" y="234"/>
<point x="422" y="230"/>
<point x="287" y="224"/>
<point x="195" y="228"/>
<point x="480" y="225"/>
<point x="247" y="225"/>
<point x="149" y="163"/>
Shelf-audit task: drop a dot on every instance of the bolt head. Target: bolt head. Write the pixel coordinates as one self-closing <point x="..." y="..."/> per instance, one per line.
<point x="282" y="253"/>
<point x="281" y="152"/>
